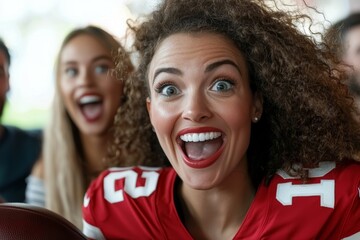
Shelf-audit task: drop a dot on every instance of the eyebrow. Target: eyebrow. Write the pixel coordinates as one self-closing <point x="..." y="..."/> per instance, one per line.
<point x="106" y="57"/>
<point x="167" y="70"/>
<point x="214" y="65"/>
<point x="209" y="68"/>
<point x="101" y="57"/>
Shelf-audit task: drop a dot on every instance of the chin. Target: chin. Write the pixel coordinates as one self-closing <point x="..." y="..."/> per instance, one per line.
<point x="200" y="182"/>
<point x="94" y="132"/>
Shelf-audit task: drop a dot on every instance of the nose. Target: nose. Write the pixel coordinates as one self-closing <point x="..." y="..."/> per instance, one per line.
<point x="196" y="108"/>
<point x="85" y="77"/>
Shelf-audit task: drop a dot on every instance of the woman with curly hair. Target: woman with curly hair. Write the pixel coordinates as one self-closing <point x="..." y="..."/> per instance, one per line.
<point x="88" y="95"/>
<point x="255" y="121"/>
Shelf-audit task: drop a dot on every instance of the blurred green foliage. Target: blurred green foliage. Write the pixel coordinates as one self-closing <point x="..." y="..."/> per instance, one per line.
<point x="29" y="119"/>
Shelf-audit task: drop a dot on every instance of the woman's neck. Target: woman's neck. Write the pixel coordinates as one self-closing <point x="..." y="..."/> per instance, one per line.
<point x="94" y="150"/>
<point x="216" y="213"/>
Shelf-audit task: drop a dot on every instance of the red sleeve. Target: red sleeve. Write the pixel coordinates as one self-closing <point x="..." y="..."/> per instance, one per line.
<point x="351" y="225"/>
<point x="90" y="228"/>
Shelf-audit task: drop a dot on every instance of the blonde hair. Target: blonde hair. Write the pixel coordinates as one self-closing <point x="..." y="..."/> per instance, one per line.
<point x="66" y="178"/>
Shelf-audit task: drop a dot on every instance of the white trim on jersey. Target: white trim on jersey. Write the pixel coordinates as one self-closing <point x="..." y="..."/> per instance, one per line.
<point x="356" y="236"/>
<point x="92" y="232"/>
<point x="146" y="168"/>
<point x="86" y="201"/>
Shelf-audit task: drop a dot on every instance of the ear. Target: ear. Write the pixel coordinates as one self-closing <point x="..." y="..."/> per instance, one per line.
<point x="148" y="106"/>
<point x="258" y="107"/>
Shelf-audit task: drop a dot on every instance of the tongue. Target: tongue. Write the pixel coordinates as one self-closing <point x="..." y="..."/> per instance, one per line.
<point x="92" y="111"/>
<point x="202" y="150"/>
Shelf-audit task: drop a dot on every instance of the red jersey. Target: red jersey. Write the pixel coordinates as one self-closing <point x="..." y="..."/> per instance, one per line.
<point x="138" y="203"/>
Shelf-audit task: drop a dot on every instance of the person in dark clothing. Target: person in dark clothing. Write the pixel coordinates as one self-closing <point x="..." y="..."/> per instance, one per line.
<point x="19" y="148"/>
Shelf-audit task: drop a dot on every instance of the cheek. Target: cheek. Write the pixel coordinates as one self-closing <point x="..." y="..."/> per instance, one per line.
<point x="236" y="114"/>
<point x="66" y="94"/>
<point x="114" y="90"/>
<point x="65" y="90"/>
<point x="163" y="117"/>
<point x="110" y="83"/>
<point x="238" y="120"/>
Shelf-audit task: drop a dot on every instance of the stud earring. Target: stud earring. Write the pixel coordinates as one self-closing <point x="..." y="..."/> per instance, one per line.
<point x="256" y="119"/>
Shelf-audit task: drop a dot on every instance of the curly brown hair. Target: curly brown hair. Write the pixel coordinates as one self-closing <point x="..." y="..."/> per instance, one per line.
<point x="336" y="33"/>
<point x="134" y="141"/>
<point x="308" y="115"/>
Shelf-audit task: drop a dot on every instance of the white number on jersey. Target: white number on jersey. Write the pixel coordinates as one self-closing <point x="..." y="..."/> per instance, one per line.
<point x="325" y="189"/>
<point x="130" y="178"/>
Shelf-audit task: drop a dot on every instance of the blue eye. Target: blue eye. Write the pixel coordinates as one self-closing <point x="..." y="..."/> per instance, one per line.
<point x="101" y="69"/>
<point x="168" y="90"/>
<point x="222" y="85"/>
<point x="71" y="72"/>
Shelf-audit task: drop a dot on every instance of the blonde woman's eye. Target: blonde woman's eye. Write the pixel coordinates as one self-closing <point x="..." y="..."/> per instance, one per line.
<point x="71" y="72"/>
<point x="101" y="69"/>
<point x="222" y="85"/>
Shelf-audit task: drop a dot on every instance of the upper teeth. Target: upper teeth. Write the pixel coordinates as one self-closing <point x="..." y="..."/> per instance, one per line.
<point x="89" y="99"/>
<point x="199" y="137"/>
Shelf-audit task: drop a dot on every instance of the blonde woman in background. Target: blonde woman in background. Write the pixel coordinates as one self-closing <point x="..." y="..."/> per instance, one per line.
<point x="88" y="95"/>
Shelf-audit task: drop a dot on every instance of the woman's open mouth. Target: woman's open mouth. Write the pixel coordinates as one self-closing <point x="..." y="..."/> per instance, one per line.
<point x="91" y="107"/>
<point x="200" y="150"/>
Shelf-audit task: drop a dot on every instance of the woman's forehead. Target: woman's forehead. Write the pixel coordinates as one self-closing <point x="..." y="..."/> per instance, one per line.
<point x="196" y="45"/>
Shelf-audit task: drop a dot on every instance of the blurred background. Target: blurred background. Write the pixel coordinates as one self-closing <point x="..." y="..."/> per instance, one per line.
<point x="34" y="29"/>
